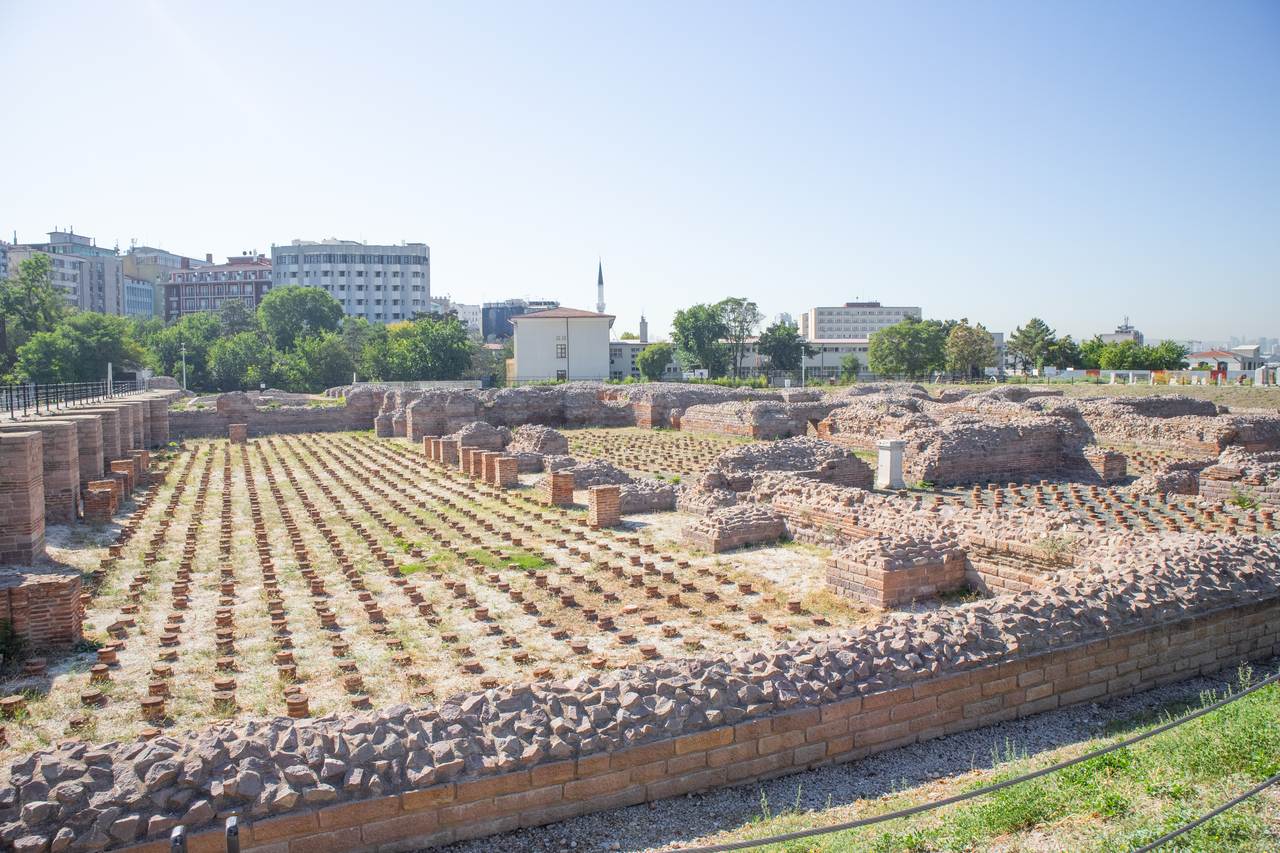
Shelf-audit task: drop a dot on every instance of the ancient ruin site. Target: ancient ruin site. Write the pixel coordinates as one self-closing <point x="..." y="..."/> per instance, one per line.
<point x="403" y="619"/>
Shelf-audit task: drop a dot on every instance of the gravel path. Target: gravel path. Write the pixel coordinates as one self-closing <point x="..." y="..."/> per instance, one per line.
<point x="683" y="821"/>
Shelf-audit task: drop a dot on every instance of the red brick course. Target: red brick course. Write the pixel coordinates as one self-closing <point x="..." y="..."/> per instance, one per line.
<point x="21" y="497"/>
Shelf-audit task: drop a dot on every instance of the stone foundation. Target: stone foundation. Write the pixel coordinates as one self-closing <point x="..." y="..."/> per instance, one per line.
<point x="890" y="572"/>
<point x="42" y="607"/>
<point x="100" y="501"/>
<point x="735" y="527"/>
<point x="237" y="433"/>
<point x="507" y="469"/>
<point x="1108" y="466"/>
<point x="21" y="498"/>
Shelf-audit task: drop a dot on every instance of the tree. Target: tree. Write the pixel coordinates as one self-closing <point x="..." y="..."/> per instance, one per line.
<point x="291" y="311"/>
<point x="197" y="332"/>
<point x="782" y="345"/>
<point x="1064" y="353"/>
<point x="652" y="361"/>
<point x="910" y="347"/>
<point x="849" y="367"/>
<point x="420" y="349"/>
<point x="1123" y="355"/>
<point x="29" y="304"/>
<point x="698" y="332"/>
<point x="235" y="317"/>
<point x="243" y="360"/>
<point x="741" y="317"/>
<point x="628" y="336"/>
<point x="969" y="349"/>
<point x="1167" y="355"/>
<point x="317" y="362"/>
<point x="78" y="350"/>
<point x="1091" y="353"/>
<point x="1029" y="345"/>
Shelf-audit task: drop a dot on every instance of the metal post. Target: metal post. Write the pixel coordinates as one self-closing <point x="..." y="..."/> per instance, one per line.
<point x="184" y="365"/>
<point x="233" y="834"/>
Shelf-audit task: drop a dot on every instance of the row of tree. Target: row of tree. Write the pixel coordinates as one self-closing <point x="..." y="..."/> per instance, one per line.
<point x="297" y="339"/>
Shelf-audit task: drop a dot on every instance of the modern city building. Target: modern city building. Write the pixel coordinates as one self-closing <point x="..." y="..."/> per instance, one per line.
<point x="471" y="316"/>
<point x="495" y="320"/>
<point x="139" y="297"/>
<point x="1124" y="332"/>
<point x="245" y="277"/>
<point x="155" y="265"/>
<point x="92" y="277"/>
<point x="4" y="260"/>
<point x="561" y="344"/>
<point x="1237" y="358"/>
<point x="826" y="361"/>
<point x="852" y="320"/>
<point x="380" y="283"/>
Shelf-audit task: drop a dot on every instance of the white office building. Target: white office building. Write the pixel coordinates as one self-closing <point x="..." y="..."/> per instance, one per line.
<point x="380" y="283"/>
<point x="852" y="320"/>
<point x="561" y="344"/>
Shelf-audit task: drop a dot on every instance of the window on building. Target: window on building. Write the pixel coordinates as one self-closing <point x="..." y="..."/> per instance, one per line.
<point x="561" y="376"/>
<point x="562" y="350"/>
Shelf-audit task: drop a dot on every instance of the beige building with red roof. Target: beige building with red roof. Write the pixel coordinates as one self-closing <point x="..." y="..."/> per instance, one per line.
<point x="561" y="344"/>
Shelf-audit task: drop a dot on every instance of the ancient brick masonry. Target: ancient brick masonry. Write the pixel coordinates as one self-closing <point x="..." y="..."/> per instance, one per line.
<point x="110" y="428"/>
<point x="21" y="498"/>
<point x="127" y="468"/>
<point x="889" y="572"/>
<point x="604" y="507"/>
<point x="1244" y="478"/>
<point x="61" y="467"/>
<point x="556" y="488"/>
<point x="238" y="433"/>
<point x="1108" y="466"/>
<point x="100" y="501"/>
<point x="42" y="607"/>
<point x="507" y="470"/>
<point x="88" y="445"/>
<point x="735" y="527"/>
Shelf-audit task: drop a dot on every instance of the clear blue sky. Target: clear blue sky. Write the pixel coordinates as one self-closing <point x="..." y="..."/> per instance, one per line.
<point x="1079" y="161"/>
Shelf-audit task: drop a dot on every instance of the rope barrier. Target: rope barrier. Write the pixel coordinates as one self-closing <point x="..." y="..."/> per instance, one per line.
<point x="1007" y="783"/>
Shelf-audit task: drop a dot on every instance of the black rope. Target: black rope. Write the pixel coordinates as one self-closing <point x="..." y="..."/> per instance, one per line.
<point x="989" y="789"/>
<point x="1235" y="801"/>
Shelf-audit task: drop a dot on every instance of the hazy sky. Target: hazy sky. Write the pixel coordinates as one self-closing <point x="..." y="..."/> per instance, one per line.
<point x="1076" y="160"/>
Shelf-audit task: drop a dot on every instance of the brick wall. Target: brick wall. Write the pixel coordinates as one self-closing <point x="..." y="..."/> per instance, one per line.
<point x="21" y="498"/>
<point x="766" y="747"/>
<point x="42" y="607"/>
<point x="208" y="423"/>
<point x="60" y="456"/>
<point x="887" y="582"/>
<point x="159" y="409"/>
<point x="111" y="431"/>
<point x="88" y="444"/>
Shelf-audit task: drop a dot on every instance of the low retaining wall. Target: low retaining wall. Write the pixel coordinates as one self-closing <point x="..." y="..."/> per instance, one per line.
<point x="777" y="744"/>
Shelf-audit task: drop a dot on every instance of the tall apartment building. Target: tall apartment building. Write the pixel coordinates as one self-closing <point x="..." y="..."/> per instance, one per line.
<point x="92" y="277"/>
<point x="244" y="277"/>
<point x="852" y="320"/>
<point x="379" y="283"/>
<point x="4" y="260"/>
<point x="155" y="265"/>
<point x="139" y="297"/>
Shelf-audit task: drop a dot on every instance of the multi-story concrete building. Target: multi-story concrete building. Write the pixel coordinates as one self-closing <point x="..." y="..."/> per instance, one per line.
<point x="495" y="320"/>
<point x="92" y="277"/>
<point x="471" y="316"/>
<point x="562" y="344"/>
<point x="139" y="297"/>
<point x="1123" y="333"/>
<point x="245" y="277"/>
<point x="379" y="283"/>
<point x="852" y="320"/>
<point x="155" y="265"/>
<point x="4" y="260"/>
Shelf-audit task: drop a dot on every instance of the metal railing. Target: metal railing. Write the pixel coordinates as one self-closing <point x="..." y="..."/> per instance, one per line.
<point x="29" y="400"/>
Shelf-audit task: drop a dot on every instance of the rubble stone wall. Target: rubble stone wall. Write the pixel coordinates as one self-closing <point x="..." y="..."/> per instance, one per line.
<point x="889" y="572"/>
<point x="842" y="728"/>
<point x="1227" y="482"/>
<point x="766" y="419"/>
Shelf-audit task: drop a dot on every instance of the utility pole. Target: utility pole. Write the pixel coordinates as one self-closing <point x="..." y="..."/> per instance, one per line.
<point x="184" y="365"/>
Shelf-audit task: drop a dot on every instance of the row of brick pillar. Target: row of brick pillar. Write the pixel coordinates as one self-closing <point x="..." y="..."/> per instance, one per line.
<point x="489" y="466"/>
<point x="55" y="467"/>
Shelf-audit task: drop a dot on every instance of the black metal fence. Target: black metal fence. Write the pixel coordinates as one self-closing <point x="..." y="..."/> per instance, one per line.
<point x="20" y="401"/>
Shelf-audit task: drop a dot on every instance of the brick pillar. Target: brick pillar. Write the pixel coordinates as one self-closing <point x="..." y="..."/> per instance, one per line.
<point x="21" y="497"/>
<point x="508" y="471"/>
<point x="60" y="467"/>
<point x="110" y="433"/>
<point x="238" y="433"/>
<point x="557" y="488"/>
<point x="117" y="480"/>
<point x="88" y="445"/>
<point x="475" y="466"/>
<point x="448" y="452"/>
<point x="138" y="408"/>
<point x="428" y="447"/>
<point x="489" y="460"/>
<point x="159" y="407"/>
<point x="100" y="501"/>
<point x="604" y="506"/>
<point x="126" y="467"/>
<point x="43" y="608"/>
<point x="142" y="465"/>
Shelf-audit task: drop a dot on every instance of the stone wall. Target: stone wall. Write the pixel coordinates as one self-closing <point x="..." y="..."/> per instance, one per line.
<point x="443" y="776"/>
<point x="21" y="498"/>
<point x="889" y="572"/>
<point x="763" y="419"/>
<point x="1226" y="482"/>
<point x="42" y="606"/>
<point x="735" y="527"/>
